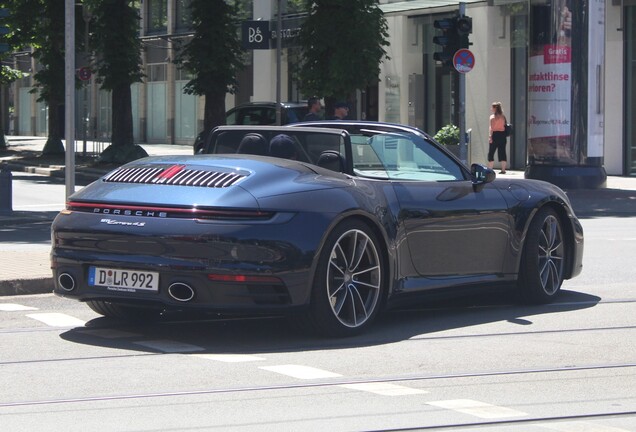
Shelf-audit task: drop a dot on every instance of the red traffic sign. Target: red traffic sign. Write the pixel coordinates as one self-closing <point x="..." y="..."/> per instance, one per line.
<point x="84" y="73"/>
<point x="464" y="60"/>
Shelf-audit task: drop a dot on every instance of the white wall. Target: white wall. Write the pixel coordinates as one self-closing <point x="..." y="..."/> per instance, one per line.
<point x="489" y="80"/>
<point x="395" y="69"/>
<point x="614" y="92"/>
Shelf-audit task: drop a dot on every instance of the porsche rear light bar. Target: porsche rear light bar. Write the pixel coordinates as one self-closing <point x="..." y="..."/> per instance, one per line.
<point x="166" y="212"/>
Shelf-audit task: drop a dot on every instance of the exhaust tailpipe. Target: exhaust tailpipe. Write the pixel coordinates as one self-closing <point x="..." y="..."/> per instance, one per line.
<point x="66" y="282"/>
<point x="181" y="292"/>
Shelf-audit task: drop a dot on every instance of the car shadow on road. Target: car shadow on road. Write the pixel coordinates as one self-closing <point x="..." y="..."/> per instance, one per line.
<point x="273" y="334"/>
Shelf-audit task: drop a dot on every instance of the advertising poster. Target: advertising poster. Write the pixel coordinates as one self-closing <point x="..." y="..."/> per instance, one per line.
<point x="550" y="85"/>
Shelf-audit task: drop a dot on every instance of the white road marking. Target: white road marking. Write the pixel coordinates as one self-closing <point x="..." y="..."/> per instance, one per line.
<point x="230" y="358"/>
<point x="477" y="409"/>
<point x="58" y="320"/>
<point x="300" y="372"/>
<point x="169" y="346"/>
<point x="110" y="333"/>
<point x="384" y="389"/>
<point x="11" y="307"/>
<point x="580" y="427"/>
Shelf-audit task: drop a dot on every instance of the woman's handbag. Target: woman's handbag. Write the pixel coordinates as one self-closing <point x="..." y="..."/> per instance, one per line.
<point x="507" y="128"/>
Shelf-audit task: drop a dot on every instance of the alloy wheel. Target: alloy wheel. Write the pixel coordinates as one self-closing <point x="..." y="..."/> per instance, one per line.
<point x="353" y="278"/>
<point x="551" y="255"/>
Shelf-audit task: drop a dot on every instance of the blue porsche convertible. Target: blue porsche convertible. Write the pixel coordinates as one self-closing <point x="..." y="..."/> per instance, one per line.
<point x="330" y="222"/>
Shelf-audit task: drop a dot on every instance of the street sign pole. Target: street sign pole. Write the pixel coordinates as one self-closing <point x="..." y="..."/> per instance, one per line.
<point x="69" y="97"/>
<point x="462" y="105"/>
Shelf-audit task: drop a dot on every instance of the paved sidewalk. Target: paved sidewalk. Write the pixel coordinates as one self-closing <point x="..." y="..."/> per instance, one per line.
<point x="25" y="268"/>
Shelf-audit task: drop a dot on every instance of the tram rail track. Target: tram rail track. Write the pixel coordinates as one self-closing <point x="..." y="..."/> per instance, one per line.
<point x="515" y="422"/>
<point x="316" y="384"/>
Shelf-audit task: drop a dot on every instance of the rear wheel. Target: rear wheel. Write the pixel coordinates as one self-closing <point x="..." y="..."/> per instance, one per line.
<point x="127" y="313"/>
<point x="347" y="288"/>
<point x="543" y="260"/>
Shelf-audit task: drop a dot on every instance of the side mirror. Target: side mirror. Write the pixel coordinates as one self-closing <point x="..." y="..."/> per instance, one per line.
<point x="481" y="175"/>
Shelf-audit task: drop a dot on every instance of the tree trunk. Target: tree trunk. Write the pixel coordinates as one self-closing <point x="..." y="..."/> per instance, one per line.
<point x="122" y="148"/>
<point x="122" y="116"/>
<point x="56" y="124"/>
<point x="3" y="141"/>
<point x="214" y="110"/>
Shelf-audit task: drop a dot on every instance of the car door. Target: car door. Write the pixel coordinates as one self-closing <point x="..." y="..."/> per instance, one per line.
<point x="452" y="230"/>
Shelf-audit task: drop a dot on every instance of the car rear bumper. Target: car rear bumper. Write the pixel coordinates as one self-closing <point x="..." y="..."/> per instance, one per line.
<point x="185" y="288"/>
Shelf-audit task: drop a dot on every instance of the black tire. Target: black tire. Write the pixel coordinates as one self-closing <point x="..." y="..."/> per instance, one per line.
<point x="543" y="260"/>
<point x="347" y="287"/>
<point x="126" y="313"/>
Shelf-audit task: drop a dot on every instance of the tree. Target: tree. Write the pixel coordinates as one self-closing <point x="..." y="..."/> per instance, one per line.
<point x="7" y="74"/>
<point x="40" y="24"/>
<point x="114" y="37"/>
<point x="343" y="44"/>
<point x="214" y="56"/>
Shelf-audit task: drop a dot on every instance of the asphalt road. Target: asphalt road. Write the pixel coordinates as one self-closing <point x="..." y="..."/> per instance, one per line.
<point x="482" y="364"/>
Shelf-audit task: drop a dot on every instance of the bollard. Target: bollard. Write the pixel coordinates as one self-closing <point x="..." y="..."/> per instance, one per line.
<point x="6" y="178"/>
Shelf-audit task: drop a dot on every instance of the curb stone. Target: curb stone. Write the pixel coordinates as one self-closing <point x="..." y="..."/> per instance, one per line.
<point x="16" y="287"/>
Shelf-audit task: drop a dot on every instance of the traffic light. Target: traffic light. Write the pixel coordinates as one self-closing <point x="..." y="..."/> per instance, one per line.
<point x="454" y="36"/>
<point x="4" y="30"/>
<point x="448" y="40"/>
<point x="464" y="27"/>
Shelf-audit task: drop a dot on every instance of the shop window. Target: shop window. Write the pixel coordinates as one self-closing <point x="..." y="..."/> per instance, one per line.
<point x="156" y="72"/>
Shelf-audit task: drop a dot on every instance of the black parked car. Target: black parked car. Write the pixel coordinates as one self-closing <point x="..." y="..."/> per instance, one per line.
<point x="331" y="223"/>
<point x="258" y="113"/>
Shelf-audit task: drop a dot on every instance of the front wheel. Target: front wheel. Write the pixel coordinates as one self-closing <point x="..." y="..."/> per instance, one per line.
<point x="543" y="260"/>
<point x="347" y="288"/>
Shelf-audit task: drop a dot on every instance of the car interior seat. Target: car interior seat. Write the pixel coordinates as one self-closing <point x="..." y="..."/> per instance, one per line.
<point x="331" y="160"/>
<point x="283" y="146"/>
<point x="253" y="143"/>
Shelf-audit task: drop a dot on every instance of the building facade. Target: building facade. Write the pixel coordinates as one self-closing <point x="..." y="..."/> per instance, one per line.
<point x="413" y="88"/>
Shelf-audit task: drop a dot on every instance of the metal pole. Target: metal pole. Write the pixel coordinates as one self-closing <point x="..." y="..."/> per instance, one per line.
<point x="462" y="105"/>
<point x="87" y="17"/>
<point x="279" y="28"/>
<point x="69" y="99"/>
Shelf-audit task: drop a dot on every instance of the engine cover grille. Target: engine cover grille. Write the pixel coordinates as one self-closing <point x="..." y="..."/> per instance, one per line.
<point x="176" y="175"/>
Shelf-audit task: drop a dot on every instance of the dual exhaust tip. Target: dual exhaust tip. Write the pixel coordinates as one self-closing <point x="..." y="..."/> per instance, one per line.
<point x="179" y="291"/>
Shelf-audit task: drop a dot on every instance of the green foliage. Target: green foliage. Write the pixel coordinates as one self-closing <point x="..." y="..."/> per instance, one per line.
<point x="214" y="55"/>
<point x="115" y="40"/>
<point x="343" y="44"/>
<point x="40" y="24"/>
<point x="447" y="135"/>
<point x="8" y="75"/>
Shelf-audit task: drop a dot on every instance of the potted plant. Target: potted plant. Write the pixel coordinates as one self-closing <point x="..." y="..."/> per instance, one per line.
<point x="449" y="137"/>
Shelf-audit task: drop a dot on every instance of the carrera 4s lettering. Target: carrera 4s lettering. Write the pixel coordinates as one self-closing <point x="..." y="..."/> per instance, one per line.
<point x="116" y="222"/>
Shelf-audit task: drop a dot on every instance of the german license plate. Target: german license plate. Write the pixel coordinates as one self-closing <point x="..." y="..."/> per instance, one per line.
<point x="123" y="280"/>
